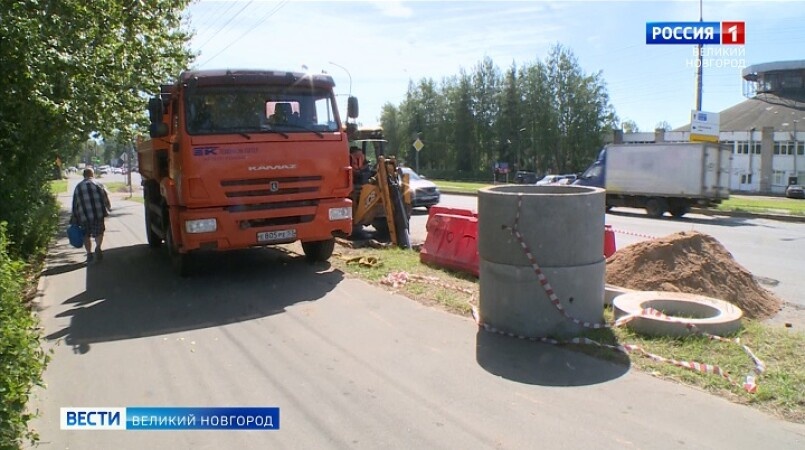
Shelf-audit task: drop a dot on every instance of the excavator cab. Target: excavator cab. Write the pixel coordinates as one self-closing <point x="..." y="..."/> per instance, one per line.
<point x="381" y="196"/>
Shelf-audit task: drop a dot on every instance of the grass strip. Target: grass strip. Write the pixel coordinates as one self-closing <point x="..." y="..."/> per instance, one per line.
<point x="58" y="187"/>
<point x="781" y="388"/>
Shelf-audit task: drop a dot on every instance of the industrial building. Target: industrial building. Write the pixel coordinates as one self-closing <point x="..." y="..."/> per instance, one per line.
<point x="766" y="132"/>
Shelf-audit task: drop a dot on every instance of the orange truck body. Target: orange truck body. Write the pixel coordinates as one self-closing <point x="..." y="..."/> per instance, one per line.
<point x="219" y="159"/>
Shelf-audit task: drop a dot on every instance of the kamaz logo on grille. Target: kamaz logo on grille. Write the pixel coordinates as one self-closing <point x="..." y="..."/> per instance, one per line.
<point x="270" y="167"/>
<point x="274" y="186"/>
<point x="205" y="151"/>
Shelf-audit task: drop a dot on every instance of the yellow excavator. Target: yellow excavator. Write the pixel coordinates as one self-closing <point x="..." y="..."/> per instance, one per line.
<point x="381" y="196"/>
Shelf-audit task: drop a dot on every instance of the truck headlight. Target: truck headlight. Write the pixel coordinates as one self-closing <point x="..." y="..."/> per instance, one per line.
<point x="200" y="226"/>
<point x="344" y="213"/>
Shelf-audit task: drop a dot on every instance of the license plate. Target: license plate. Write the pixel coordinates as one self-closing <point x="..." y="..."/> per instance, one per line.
<point x="276" y="236"/>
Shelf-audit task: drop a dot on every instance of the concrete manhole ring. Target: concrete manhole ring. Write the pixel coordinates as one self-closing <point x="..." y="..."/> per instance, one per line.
<point x="708" y="314"/>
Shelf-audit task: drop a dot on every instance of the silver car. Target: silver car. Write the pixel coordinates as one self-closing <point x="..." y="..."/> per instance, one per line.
<point x="423" y="192"/>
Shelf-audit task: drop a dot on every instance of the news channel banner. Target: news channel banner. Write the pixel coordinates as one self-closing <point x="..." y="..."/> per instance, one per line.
<point x="712" y="33"/>
<point x="170" y="418"/>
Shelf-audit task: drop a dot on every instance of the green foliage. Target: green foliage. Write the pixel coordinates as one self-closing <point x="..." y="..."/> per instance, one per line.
<point x="22" y="360"/>
<point x="70" y="69"/>
<point x="548" y="116"/>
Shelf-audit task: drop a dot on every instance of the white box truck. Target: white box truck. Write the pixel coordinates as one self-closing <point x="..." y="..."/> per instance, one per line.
<point x="661" y="177"/>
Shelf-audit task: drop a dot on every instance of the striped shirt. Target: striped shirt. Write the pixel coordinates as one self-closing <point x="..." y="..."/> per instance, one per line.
<point x="90" y="201"/>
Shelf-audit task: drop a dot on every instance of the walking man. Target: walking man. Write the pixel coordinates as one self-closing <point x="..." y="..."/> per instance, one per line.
<point x="90" y="208"/>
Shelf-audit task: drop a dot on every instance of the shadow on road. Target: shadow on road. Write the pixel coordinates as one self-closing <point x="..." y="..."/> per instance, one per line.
<point x="545" y="364"/>
<point x="133" y="293"/>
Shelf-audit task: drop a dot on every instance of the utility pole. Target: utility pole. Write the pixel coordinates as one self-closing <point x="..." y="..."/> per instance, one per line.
<point x="796" y="148"/>
<point x="699" y="71"/>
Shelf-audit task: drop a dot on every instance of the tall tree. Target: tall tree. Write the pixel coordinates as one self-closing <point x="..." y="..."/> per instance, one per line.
<point x="69" y="68"/>
<point x="630" y="126"/>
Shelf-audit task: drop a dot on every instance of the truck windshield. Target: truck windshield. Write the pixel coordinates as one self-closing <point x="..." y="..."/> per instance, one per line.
<point x="255" y="109"/>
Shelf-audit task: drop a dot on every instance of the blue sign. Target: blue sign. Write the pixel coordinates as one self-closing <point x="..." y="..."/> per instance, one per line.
<point x="170" y="418"/>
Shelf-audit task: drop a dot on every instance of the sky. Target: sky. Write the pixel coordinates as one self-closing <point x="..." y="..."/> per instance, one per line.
<point x="373" y="49"/>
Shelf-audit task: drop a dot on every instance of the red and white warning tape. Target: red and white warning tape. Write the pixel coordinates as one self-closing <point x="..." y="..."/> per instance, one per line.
<point x="396" y="279"/>
<point x="625" y="348"/>
<point x="632" y="233"/>
<point x="749" y="383"/>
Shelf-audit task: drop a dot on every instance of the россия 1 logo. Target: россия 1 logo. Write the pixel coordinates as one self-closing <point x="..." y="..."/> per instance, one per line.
<point x="724" y="33"/>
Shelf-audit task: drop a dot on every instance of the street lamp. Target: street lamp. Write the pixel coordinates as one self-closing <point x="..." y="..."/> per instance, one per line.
<point x="519" y="145"/>
<point x="348" y="74"/>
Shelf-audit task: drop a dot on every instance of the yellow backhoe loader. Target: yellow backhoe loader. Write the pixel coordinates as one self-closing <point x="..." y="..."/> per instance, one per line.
<point x="381" y="197"/>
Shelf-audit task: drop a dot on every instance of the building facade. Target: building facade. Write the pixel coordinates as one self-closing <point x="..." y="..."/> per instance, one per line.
<point x="766" y="132"/>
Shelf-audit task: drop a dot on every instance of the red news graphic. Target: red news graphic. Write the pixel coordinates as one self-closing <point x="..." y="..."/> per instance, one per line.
<point x="733" y="33"/>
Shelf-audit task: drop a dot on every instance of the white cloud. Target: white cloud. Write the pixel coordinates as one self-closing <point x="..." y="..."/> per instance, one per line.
<point x="393" y="9"/>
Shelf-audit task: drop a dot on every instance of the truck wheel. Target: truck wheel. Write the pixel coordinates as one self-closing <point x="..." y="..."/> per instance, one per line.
<point x="318" y="251"/>
<point x="656" y="207"/>
<point x="154" y="241"/>
<point x="680" y="210"/>
<point x="179" y="261"/>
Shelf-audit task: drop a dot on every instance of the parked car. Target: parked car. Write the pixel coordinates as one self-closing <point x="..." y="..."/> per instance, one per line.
<point x="423" y="192"/>
<point x="525" y="177"/>
<point x="556" y="179"/>
<point x="795" y="191"/>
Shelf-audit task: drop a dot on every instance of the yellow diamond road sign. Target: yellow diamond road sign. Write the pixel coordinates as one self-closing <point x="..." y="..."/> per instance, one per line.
<point x="418" y="145"/>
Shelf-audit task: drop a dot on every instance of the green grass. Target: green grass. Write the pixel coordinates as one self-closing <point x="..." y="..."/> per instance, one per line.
<point x="739" y="203"/>
<point x="460" y="186"/>
<point x="763" y="205"/>
<point x="116" y="186"/>
<point x="58" y="187"/>
<point x="394" y="260"/>
<point x="780" y="389"/>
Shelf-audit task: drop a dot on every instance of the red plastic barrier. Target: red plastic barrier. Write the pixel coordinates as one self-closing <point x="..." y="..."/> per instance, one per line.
<point x="433" y="210"/>
<point x="452" y="241"/>
<point x="609" y="241"/>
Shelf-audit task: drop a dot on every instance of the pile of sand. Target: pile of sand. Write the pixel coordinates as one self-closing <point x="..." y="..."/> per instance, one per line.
<point x="690" y="262"/>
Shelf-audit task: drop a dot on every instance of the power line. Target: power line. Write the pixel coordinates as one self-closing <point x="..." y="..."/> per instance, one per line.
<point x="226" y="23"/>
<point x="259" y="22"/>
<point x="217" y="17"/>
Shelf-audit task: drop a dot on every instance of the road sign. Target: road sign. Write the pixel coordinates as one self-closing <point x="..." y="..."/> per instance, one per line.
<point x="704" y="126"/>
<point x="418" y="145"/>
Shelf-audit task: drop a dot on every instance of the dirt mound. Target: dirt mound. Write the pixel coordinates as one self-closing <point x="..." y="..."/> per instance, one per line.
<point x="691" y="262"/>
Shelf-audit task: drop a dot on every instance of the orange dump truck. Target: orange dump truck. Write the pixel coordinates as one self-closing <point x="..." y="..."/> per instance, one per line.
<point x="246" y="158"/>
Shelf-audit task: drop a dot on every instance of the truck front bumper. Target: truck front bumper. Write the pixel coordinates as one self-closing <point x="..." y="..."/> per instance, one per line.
<point x="244" y="226"/>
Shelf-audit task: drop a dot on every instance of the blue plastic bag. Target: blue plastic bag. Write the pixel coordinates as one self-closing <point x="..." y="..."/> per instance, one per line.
<point x="76" y="235"/>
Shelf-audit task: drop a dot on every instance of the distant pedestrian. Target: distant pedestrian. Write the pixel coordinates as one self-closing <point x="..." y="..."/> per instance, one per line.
<point x="90" y="208"/>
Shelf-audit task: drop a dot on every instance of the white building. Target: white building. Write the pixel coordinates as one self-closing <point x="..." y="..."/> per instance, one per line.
<point x="766" y="132"/>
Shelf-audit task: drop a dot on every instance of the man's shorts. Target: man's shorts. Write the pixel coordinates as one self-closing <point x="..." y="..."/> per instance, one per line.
<point x="94" y="228"/>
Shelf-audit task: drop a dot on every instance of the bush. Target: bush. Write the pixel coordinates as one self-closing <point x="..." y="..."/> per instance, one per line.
<point x="22" y="359"/>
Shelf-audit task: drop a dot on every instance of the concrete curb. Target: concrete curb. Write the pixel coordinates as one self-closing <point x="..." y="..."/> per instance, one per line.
<point x="702" y="211"/>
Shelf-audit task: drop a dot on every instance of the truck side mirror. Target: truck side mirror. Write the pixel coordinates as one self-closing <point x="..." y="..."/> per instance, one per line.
<point x="158" y="130"/>
<point x="156" y="111"/>
<point x="352" y="107"/>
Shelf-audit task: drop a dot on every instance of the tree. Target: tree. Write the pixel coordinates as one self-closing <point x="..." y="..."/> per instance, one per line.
<point x="629" y="126"/>
<point x="663" y="125"/>
<point x="545" y="115"/>
<point x="71" y="68"/>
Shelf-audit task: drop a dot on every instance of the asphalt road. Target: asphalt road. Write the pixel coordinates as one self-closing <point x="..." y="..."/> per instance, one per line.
<point x="772" y="250"/>
<point x="349" y="364"/>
